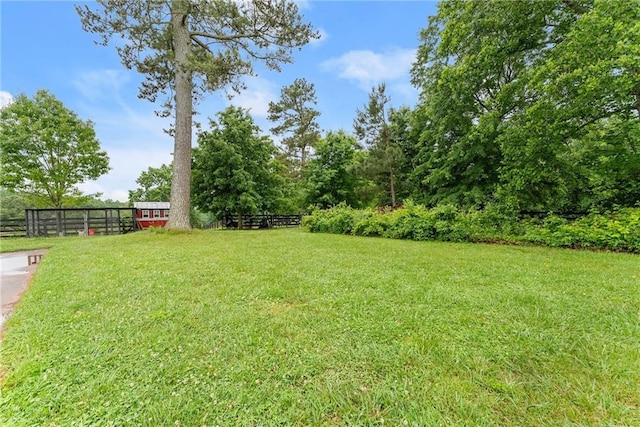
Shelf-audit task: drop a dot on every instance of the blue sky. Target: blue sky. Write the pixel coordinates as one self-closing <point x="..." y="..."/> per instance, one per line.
<point x="363" y="43"/>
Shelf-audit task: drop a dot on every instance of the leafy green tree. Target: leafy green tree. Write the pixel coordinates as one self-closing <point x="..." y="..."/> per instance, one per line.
<point x="289" y="169"/>
<point x="331" y="176"/>
<point x="12" y="204"/>
<point x="403" y="134"/>
<point x="234" y="170"/>
<point x="154" y="185"/>
<point x="47" y="150"/>
<point x="96" y="202"/>
<point x="296" y="119"/>
<point x="187" y="48"/>
<point x="607" y="160"/>
<point x="372" y="127"/>
<point x="577" y="144"/>
<point x="470" y="69"/>
<point x="512" y="94"/>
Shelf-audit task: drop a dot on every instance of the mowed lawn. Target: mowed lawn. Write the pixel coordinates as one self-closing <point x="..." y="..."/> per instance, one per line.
<point x="284" y="327"/>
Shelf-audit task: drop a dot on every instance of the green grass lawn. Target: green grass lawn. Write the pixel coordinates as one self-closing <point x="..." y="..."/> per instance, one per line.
<point x="15" y="245"/>
<point x="284" y="327"/>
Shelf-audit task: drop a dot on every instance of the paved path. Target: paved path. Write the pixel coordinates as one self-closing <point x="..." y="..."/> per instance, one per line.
<point x="15" y="274"/>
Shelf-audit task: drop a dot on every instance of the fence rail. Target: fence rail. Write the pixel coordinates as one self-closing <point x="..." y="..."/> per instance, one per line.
<point x="13" y="227"/>
<point x="75" y="221"/>
<point x="263" y="221"/>
<point x="79" y="221"/>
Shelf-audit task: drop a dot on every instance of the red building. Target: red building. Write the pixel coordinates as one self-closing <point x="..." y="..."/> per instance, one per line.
<point x="151" y="214"/>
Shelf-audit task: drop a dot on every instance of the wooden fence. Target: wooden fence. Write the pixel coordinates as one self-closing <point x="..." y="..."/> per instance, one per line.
<point x="263" y="221"/>
<point x="13" y="227"/>
<point x="79" y="221"/>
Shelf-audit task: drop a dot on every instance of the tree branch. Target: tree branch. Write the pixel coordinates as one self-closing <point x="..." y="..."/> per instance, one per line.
<point x="221" y="37"/>
<point x="201" y="44"/>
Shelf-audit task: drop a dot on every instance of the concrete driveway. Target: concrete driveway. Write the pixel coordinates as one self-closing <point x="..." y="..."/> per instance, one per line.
<point x="16" y="270"/>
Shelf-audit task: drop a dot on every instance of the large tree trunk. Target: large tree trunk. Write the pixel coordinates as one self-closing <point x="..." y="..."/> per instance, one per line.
<point x="181" y="178"/>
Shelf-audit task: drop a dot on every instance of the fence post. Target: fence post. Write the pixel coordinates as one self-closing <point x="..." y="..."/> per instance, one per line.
<point x="26" y="220"/>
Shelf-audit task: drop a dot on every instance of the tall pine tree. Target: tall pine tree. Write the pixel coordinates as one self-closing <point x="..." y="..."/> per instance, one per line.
<point x="186" y="48"/>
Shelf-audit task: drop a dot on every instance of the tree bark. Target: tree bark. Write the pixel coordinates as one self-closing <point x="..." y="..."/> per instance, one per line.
<point x="181" y="178"/>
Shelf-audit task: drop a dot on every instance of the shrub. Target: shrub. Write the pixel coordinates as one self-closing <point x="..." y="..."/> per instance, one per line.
<point x="619" y="231"/>
<point x="497" y="221"/>
<point x="614" y="231"/>
<point x="337" y="220"/>
<point x="371" y="224"/>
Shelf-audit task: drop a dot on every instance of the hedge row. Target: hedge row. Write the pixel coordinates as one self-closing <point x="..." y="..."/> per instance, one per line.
<point x="618" y="231"/>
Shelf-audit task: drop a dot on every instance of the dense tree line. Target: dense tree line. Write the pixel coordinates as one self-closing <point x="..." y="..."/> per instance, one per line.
<point x="532" y="104"/>
<point x="529" y="105"/>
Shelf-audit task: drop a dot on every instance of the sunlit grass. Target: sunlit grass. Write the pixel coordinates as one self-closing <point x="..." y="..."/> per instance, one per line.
<point x="291" y="328"/>
<point x="24" y="244"/>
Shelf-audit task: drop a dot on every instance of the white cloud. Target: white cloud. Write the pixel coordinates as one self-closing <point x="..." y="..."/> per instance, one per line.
<point x="5" y="99"/>
<point x="95" y="84"/>
<point x="133" y="142"/>
<point x="118" y="119"/>
<point x="303" y="4"/>
<point x="256" y="96"/>
<point x="93" y="187"/>
<point x="126" y="165"/>
<point x="127" y="128"/>
<point x="367" y="68"/>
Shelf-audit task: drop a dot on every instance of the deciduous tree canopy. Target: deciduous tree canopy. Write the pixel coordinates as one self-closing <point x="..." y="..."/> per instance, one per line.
<point x="47" y="150"/>
<point x="154" y="185"/>
<point x="331" y="176"/>
<point x="528" y="103"/>
<point x="234" y="170"/>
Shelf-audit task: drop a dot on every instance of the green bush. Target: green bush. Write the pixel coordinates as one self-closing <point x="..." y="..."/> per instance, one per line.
<point x="618" y="231"/>
<point x="495" y="223"/>
<point x="371" y="224"/>
<point x="337" y="220"/>
<point x="411" y="222"/>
